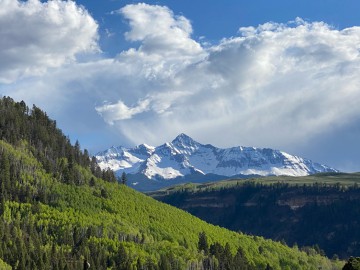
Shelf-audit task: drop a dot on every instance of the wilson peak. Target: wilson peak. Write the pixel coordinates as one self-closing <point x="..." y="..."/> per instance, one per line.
<point x="186" y="160"/>
<point x="183" y="139"/>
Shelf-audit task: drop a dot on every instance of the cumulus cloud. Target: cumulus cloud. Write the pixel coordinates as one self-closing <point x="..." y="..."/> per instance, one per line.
<point x="278" y="85"/>
<point x="293" y="81"/>
<point x="160" y="31"/>
<point x="166" y="46"/>
<point x="35" y="36"/>
<point x="285" y="86"/>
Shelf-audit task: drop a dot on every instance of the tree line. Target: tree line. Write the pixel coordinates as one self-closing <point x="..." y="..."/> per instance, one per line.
<point x="21" y="125"/>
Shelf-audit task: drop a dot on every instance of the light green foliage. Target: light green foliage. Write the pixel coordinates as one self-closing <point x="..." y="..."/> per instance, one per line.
<point x="144" y="227"/>
<point x="4" y="266"/>
<point x="58" y="208"/>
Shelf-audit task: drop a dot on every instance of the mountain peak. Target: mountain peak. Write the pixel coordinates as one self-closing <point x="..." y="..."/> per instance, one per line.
<point x="185" y="143"/>
<point x="184" y="157"/>
<point x="183" y="139"/>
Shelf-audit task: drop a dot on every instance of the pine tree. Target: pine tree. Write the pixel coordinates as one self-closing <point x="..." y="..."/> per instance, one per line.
<point x="240" y="262"/>
<point x="164" y="263"/>
<point x="5" y="173"/>
<point x="203" y="243"/>
<point x="226" y="258"/>
<point x="123" y="178"/>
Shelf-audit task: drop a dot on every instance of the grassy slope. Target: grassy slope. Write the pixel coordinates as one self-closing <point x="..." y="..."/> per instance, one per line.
<point x="127" y="212"/>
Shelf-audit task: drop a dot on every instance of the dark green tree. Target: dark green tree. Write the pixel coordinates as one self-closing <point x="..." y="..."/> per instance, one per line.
<point x="104" y="193"/>
<point x="352" y="264"/>
<point x="240" y="261"/>
<point x="203" y="243"/>
<point x="139" y="265"/>
<point x="164" y="263"/>
<point x="226" y="259"/>
<point x="123" y="178"/>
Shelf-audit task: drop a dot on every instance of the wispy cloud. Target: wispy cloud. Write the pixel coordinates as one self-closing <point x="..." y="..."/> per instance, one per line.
<point x="119" y="111"/>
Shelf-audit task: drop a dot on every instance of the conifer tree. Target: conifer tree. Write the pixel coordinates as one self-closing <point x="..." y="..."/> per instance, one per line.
<point x="123" y="178"/>
<point x="203" y="243"/>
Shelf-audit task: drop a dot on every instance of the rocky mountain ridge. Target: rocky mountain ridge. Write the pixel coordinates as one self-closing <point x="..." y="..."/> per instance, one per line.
<point x="185" y="159"/>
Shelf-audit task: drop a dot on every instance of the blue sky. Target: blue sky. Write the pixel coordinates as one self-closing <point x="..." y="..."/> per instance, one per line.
<point x="217" y="19"/>
<point x="278" y="74"/>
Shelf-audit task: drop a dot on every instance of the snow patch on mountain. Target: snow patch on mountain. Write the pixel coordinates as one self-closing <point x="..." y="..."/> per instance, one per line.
<point x="185" y="157"/>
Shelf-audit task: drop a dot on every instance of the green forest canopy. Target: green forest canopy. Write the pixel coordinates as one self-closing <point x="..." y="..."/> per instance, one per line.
<point x="58" y="208"/>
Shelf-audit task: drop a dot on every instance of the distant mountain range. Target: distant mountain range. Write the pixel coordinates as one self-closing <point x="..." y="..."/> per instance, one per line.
<point x="185" y="160"/>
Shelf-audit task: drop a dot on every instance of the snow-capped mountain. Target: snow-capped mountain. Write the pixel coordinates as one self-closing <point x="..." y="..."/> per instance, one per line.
<point x="184" y="158"/>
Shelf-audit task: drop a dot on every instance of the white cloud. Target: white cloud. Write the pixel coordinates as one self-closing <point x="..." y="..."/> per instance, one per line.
<point x="278" y="85"/>
<point x="166" y="46"/>
<point x="119" y="111"/>
<point x="35" y="36"/>
<point x="275" y="85"/>
<point x="160" y="31"/>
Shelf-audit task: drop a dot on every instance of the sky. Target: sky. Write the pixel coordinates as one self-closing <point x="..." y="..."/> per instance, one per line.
<point x="278" y="74"/>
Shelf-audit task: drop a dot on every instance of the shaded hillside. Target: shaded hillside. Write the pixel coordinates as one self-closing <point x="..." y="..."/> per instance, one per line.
<point x="318" y="214"/>
<point x="55" y="211"/>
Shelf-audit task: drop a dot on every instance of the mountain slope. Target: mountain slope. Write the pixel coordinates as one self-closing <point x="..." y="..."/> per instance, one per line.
<point x="314" y="210"/>
<point x="53" y="216"/>
<point x="185" y="159"/>
<point x="98" y="221"/>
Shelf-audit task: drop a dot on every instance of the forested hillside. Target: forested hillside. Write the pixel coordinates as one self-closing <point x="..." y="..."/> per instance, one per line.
<point x="59" y="209"/>
<point x="322" y="213"/>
